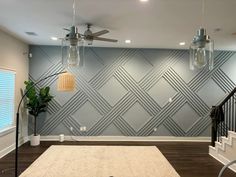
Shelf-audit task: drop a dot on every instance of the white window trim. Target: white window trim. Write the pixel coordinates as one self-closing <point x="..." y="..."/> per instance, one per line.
<point x="7" y="130"/>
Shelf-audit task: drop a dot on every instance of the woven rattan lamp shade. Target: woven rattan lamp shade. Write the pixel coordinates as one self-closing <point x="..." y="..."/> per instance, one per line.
<point x="66" y="82"/>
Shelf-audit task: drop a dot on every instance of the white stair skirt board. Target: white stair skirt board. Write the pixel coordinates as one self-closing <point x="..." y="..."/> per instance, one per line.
<point x="101" y="161"/>
<point x="127" y="138"/>
<point x="225" y="151"/>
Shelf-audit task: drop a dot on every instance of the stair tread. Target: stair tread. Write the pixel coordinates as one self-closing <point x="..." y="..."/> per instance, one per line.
<point x="232" y="133"/>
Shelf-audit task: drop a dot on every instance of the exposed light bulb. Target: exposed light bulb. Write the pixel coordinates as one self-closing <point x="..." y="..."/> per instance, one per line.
<point x="200" y="58"/>
<point x="73" y="55"/>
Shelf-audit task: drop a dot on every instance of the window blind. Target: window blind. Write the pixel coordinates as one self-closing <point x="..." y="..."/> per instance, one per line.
<point x="7" y="95"/>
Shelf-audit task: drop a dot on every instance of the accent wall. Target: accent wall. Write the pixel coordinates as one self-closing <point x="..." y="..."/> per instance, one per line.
<point x="132" y="92"/>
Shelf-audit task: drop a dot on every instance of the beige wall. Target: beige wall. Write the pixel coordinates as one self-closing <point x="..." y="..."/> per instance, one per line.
<point x="13" y="55"/>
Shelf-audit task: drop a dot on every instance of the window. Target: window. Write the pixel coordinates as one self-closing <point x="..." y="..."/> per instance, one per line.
<point x="7" y="94"/>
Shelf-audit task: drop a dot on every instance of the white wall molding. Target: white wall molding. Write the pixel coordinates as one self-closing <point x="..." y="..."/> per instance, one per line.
<point x="126" y="138"/>
<point x="7" y="150"/>
<point x="108" y="138"/>
<point x="7" y="130"/>
<point x="143" y="111"/>
<point x="223" y="160"/>
<point x="223" y="150"/>
<point x="10" y="148"/>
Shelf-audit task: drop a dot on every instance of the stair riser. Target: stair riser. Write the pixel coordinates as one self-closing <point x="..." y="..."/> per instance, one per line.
<point x="226" y="150"/>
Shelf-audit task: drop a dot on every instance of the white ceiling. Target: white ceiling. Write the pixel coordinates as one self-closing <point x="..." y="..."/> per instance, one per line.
<point x="154" y="24"/>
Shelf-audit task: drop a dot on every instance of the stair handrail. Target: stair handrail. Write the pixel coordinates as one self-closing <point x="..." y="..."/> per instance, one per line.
<point x="228" y="97"/>
<point x="217" y="116"/>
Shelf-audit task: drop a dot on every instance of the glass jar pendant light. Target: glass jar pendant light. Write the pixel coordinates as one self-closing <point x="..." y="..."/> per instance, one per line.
<point x="71" y="44"/>
<point x="201" y="48"/>
<point x="201" y="51"/>
<point x="73" y="48"/>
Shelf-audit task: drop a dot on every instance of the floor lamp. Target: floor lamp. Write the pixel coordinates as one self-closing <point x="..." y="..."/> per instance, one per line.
<point x="66" y="82"/>
<point x="225" y="167"/>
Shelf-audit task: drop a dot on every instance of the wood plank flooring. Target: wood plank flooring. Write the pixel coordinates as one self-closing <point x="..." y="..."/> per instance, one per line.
<point x="188" y="158"/>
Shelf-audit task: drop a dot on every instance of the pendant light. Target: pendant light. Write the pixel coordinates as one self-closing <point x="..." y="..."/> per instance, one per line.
<point x="71" y="44"/>
<point x="201" y="48"/>
<point x="66" y="82"/>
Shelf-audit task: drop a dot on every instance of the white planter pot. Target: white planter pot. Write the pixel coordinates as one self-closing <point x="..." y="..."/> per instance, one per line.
<point x="34" y="140"/>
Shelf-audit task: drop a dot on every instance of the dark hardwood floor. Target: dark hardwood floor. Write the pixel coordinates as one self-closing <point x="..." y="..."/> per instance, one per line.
<point x="189" y="159"/>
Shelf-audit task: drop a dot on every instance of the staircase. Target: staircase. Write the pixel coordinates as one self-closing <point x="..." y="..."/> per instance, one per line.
<point x="223" y="134"/>
<point x="225" y="151"/>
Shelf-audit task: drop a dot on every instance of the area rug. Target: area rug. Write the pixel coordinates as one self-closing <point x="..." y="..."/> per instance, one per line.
<point x="101" y="161"/>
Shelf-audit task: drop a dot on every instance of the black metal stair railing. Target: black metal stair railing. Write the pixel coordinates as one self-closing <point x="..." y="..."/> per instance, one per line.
<point x="223" y="118"/>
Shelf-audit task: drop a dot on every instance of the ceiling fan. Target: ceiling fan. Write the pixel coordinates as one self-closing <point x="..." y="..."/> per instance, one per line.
<point x="73" y="40"/>
<point x="88" y="35"/>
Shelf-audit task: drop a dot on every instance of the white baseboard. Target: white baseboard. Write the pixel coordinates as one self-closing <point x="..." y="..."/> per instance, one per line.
<point x="109" y="138"/>
<point x="224" y="161"/>
<point x="128" y="138"/>
<point x="10" y="148"/>
<point x="7" y="150"/>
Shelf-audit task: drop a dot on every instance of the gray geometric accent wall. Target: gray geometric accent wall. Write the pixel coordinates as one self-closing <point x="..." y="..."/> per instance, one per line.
<point x="133" y="92"/>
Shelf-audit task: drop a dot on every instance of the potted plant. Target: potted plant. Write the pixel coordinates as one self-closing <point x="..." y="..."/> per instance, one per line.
<point x="37" y="102"/>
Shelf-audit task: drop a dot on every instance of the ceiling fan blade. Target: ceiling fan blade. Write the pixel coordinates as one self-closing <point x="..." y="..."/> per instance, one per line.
<point x="104" y="39"/>
<point x="66" y="29"/>
<point x="99" y="33"/>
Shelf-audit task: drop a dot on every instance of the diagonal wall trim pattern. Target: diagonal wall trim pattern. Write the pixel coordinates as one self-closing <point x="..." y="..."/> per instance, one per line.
<point x="204" y="75"/>
<point x="192" y="98"/>
<point x="224" y="82"/>
<point x="115" y="111"/>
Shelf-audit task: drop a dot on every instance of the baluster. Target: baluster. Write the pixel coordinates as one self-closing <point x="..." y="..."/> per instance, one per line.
<point x="229" y="108"/>
<point x="226" y="122"/>
<point x="231" y="123"/>
<point x="229" y="118"/>
<point x="218" y="130"/>
<point x="233" y="113"/>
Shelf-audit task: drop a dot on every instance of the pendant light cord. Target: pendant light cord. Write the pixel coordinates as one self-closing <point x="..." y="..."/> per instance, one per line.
<point x="203" y="13"/>
<point x="74" y="13"/>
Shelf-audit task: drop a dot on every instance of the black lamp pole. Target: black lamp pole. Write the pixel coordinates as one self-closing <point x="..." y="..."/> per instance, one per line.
<point x="18" y="115"/>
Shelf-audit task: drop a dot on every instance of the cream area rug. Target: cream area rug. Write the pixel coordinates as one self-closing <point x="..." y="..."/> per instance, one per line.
<point x="101" y="161"/>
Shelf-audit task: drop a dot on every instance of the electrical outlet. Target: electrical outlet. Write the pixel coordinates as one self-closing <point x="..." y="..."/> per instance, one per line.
<point x="71" y="129"/>
<point x="82" y="128"/>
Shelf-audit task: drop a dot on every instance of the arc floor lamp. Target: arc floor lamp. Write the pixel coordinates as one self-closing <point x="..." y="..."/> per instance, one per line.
<point x="66" y="82"/>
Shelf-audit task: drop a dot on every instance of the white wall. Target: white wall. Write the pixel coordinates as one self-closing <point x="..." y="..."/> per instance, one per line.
<point x="13" y="55"/>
